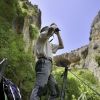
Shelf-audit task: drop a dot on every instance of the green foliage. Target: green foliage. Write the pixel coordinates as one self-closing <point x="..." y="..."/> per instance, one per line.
<point x="33" y="30"/>
<point x="72" y="87"/>
<point x="88" y="76"/>
<point x="21" y="9"/>
<point x="25" y="9"/>
<point x="20" y="64"/>
<point x="97" y="58"/>
<point x="4" y="34"/>
<point x="6" y="10"/>
<point x="76" y="90"/>
<point x="25" y="6"/>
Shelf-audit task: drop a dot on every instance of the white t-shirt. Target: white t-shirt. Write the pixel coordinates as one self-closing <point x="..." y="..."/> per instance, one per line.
<point x="43" y="47"/>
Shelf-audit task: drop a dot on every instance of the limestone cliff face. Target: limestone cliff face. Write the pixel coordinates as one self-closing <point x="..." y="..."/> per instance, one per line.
<point x="86" y="55"/>
<point x="27" y="16"/>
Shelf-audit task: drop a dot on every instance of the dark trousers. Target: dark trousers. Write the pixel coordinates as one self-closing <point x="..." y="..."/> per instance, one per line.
<point x="44" y="78"/>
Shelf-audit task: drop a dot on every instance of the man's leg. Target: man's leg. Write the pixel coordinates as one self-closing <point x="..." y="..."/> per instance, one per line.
<point x="54" y="90"/>
<point x="43" y="69"/>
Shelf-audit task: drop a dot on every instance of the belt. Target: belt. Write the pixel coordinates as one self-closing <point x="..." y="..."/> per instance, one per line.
<point x="47" y="58"/>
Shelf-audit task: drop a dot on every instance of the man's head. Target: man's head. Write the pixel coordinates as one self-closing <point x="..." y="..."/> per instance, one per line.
<point x="44" y="29"/>
<point x="53" y="25"/>
<point x="48" y="29"/>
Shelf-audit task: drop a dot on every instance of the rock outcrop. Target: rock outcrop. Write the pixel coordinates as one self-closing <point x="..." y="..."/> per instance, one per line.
<point x="27" y="15"/>
<point x="85" y="56"/>
<point x="75" y="57"/>
<point x="94" y="47"/>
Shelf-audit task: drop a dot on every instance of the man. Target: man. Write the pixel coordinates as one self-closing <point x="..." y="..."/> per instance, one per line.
<point x="44" y="50"/>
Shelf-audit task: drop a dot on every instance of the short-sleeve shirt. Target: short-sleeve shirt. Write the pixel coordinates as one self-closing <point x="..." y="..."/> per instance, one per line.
<point x="43" y="47"/>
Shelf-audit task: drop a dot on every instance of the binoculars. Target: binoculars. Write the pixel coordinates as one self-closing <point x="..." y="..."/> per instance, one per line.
<point x="57" y="30"/>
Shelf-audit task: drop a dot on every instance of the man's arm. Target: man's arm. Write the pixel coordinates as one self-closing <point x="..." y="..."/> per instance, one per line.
<point x="60" y="46"/>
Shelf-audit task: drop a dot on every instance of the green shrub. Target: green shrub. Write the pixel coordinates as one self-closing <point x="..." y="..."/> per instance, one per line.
<point x="97" y="58"/>
<point x="75" y="88"/>
<point x="20" y="64"/>
<point x="25" y="6"/>
<point x="6" y="10"/>
<point x="88" y="76"/>
<point x="33" y="30"/>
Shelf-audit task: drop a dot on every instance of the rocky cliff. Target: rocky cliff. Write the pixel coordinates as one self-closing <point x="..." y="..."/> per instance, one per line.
<point x="27" y="21"/>
<point x="87" y="56"/>
<point x="92" y="61"/>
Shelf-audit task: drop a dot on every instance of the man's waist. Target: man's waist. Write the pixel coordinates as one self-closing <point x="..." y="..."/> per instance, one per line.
<point x="47" y="58"/>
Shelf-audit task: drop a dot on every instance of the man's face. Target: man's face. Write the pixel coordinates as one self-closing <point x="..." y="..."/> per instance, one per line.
<point x="51" y="31"/>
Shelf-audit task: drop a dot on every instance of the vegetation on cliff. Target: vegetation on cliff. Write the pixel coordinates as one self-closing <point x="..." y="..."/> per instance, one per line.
<point x="20" y="67"/>
<point x="97" y="58"/>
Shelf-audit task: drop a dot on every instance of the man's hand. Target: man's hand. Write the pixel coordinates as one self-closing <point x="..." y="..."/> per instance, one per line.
<point x="60" y="46"/>
<point x="51" y="31"/>
<point x="57" y="30"/>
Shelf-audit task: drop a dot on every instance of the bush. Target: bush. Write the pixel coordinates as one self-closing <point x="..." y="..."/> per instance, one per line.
<point x="25" y="6"/>
<point x="20" y="64"/>
<point x="6" y="10"/>
<point x="97" y="58"/>
<point x="33" y="31"/>
<point x="88" y="76"/>
<point x="76" y="90"/>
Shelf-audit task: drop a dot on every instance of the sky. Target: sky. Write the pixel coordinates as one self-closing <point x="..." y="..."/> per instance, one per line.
<point x="73" y="17"/>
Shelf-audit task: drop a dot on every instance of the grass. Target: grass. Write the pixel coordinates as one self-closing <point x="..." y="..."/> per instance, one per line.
<point x="76" y="88"/>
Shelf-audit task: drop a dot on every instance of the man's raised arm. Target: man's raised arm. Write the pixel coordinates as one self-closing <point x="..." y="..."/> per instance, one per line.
<point x="60" y="46"/>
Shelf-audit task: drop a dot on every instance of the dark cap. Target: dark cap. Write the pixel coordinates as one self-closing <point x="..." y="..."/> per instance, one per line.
<point x="44" y="29"/>
<point x="53" y="24"/>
